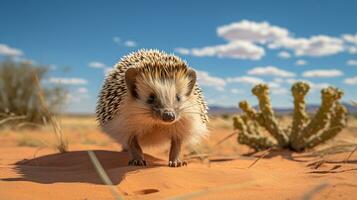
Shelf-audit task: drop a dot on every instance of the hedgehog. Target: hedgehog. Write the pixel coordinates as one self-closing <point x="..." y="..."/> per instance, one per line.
<point x="151" y="98"/>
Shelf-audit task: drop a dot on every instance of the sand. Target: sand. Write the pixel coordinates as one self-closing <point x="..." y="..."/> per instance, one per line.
<point x="231" y="172"/>
<point x="280" y="175"/>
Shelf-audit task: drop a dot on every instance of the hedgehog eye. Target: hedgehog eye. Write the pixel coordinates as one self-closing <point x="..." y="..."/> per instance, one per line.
<point x="151" y="99"/>
<point x="178" y="98"/>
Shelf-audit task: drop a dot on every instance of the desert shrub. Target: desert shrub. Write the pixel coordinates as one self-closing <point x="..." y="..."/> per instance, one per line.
<point x="23" y="97"/>
<point x="304" y="132"/>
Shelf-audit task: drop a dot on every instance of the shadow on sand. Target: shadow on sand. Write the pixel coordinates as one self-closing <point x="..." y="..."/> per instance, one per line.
<point x="76" y="166"/>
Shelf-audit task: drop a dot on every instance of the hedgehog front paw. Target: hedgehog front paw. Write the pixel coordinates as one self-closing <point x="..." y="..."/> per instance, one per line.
<point x="177" y="163"/>
<point x="135" y="162"/>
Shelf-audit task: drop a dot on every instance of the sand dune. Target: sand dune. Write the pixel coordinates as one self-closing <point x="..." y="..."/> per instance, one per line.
<point x="279" y="175"/>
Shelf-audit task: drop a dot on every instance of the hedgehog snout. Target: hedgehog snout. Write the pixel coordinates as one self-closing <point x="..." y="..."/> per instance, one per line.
<point x="168" y="116"/>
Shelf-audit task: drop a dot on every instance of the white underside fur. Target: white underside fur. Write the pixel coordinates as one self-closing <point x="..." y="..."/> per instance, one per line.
<point x="189" y="128"/>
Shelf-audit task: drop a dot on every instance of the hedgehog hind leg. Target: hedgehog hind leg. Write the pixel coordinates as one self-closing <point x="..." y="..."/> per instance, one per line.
<point x="175" y="150"/>
<point x="136" y="153"/>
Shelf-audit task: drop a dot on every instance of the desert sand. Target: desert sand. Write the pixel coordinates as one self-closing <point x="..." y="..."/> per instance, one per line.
<point x="224" y="171"/>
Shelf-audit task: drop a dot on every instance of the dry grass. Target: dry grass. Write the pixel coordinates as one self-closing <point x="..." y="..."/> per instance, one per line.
<point x="83" y="133"/>
<point x="62" y="142"/>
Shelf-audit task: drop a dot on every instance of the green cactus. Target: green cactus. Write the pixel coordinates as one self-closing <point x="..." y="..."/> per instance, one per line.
<point x="300" y="118"/>
<point x="303" y="133"/>
<point x="337" y="123"/>
<point x="254" y="140"/>
<point x="270" y="123"/>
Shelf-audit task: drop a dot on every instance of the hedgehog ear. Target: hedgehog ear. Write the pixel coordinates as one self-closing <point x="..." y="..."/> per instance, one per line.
<point x="192" y="76"/>
<point x="130" y="77"/>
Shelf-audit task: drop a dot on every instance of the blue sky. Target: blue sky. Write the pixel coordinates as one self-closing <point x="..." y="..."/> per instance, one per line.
<point x="232" y="44"/>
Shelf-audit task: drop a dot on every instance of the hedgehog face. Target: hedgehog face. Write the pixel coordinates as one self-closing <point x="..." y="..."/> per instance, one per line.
<point x="162" y="99"/>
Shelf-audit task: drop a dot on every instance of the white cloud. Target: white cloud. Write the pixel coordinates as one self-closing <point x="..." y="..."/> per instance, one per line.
<point x="256" y="35"/>
<point x="235" y="91"/>
<point x="351" y="80"/>
<point x="96" y="64"/>
<point x="245" y="79"/>
<point x="278" y="80"/>
<point x="315" y="46"/>
<point x="322" y="73"/>
<point x="274" y="84"/>
<point x="251" y="31"/>
<point x="318" y="86"/>
<point x="279" y="91"/>
<point x="352" y="62"/>
<point x="205" y="79"/>
<point x="350" y="38"/>
<point x="284" y="54"/>
<point x="6" y="50"/>
<point x="182" y="51"/>
<point x="270" y="70"/>
<point x="313" y="86"/>
<point x="130" y="43"/>
<point x="117" y="39"/>
<point x="67" y="81"/>
<point x="300" y="62"/>
<point x="236" y="49"/>
<point x="76" y="98"/>
<point x="321" y="46"/>
<point x="82" y="90"/>
<point x="352" y="50"/>
<point x="127" y="43"/>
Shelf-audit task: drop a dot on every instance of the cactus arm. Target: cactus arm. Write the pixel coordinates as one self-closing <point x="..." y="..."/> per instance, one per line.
<point x="255" y="141"/>
<point x="252" y="126"/>
<point x="328" y="96"/>
<point x="338" y="122"/>
<point x="261" y="91"/>
<point x="300" y="118"/>
<point x="251" y="113"/>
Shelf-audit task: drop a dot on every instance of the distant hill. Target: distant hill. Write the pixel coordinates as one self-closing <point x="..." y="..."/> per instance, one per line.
<point x="217" y="110"/>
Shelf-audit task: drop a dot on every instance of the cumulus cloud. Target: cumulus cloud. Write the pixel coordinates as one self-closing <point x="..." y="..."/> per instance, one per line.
<point x="350" y="38"/>
<point x="76" y="98"/>
<point x="300" y="62"/>
<point x="279" y="91"/>
<point x="352" y="50"/>
<point x="130" y="43"/>
<point x="127" y="43"/>
<point x="322" y="73"/>
<point x="284" y="54"/>
<point x="117" y="39"/>
<point x="278" y="80"/>
<point x="205" y="79"/>
<point x="236" y="49"/>
<point x="273" y="84"/>
<point x="270" y="71"/>
<point x="99" y="65"/>
<point x="261" y="32"/>
<point x="96" y="64"/>
<point x="67" y="81"/>
<point x="6" y="50"/>
<point x="182" y="51"/>
<point x="235" y="91"/>
<point x="352" y="62"/>
<point x="315" y="46"/>
<point x="351" y="80"/>
<point x="313" y="86"/>
<point x="245" y="79"/>
<point x="318" y="86"/>
<point x="82" y="90"/>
